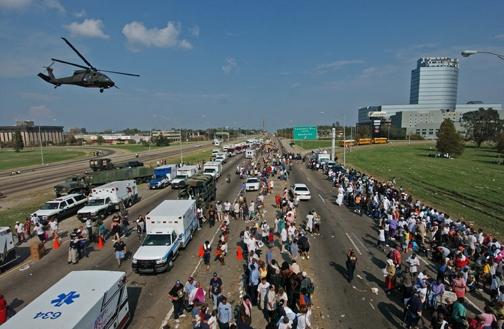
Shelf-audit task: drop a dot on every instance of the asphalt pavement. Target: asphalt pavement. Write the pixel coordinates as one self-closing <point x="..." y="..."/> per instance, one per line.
<point x="149" y="302"/>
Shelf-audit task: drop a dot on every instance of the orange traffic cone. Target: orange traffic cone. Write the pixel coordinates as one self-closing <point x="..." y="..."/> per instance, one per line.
<point x="56" y="243"/>
<point x="201" y="251"/>
<point x="100" y="243"/>
<point x="239" y="253"/>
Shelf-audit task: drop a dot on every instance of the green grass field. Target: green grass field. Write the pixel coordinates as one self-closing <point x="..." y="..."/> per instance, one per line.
<point x="315" y="144"/>
<point x="9" y="159"/>
<point x="136" y="148"/>
<point x="469" y="187"/>
<point x="195" y="157"/>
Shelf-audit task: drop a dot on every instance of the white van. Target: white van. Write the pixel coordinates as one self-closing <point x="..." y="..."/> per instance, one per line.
<point x="105" y="199"/>
<point x="169" y="227"/>
<point x="213" y="169"/>
<point x="183" y="173"/>
<point x="82" y="299"/>
<point x="8" y="243"/>
<point x="61" y="207"/>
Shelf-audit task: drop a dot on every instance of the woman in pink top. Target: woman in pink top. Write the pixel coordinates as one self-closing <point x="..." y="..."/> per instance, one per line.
<point x="459" y="286"/>
<point x="487" y="318"/>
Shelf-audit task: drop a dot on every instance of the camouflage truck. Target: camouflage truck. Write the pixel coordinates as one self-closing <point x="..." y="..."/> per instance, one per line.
<point x="201" y="188"/>
<point x="84" y="183"/>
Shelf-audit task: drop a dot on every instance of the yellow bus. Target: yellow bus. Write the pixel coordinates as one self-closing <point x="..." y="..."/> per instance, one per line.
<point x="364" y="141"/>
<point x="380" y="140"/>
<point x="346" y="142"/>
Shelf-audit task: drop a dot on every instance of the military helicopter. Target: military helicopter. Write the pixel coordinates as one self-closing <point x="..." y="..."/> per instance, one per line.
<point x="89" y="77"/>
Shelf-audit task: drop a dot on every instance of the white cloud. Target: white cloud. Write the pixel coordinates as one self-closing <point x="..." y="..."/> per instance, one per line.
<point x="166" y="37"/>
<point x="80" y="14"/>
<point x="185" y="44"/>
<point x="92" y="28"/>
<point x="54" y="4"/>
<point x="230" y="65"/>
<point x="39" y="111"/>
<point x="333" y="66"/>
<point x="14" y="4"/>
<point x="22" y="4"/>
<point x="499" y="36"/>
<point x="195" y="30"/>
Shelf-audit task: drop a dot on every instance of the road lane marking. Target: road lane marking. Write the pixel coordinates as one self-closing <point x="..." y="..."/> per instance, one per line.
<point x="360" y="242"/>
<point x="423" y="260"/>
<point x="321" y="198"/>
<point x="371" y="306"/>
<point x="353" y="243"/>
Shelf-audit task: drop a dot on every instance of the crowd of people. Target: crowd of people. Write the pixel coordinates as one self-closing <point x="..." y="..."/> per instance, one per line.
<point x="281" y="291"/>
<point x="466" y="260"/>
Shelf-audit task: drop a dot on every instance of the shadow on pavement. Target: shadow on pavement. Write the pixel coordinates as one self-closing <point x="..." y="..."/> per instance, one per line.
<point x="391" y="313"/>
<point x="378" y="262"/>
<point x="340" y="269"/>
<point x="372" y="278"/>
<point x="133" y="297"/>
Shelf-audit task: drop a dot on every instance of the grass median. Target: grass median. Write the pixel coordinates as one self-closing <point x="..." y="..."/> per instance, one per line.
<point x="315" y="144"/>
<point x="9" y="159"/>
<point x="470" y="186"/>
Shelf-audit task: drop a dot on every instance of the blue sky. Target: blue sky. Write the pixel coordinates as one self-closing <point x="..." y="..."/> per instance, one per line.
<point x="235" y="63"/>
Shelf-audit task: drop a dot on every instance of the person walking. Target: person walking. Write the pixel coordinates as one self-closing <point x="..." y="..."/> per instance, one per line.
<point x="224" y="313"/>
<point x="351" y="263"/>
<point x="215" y="289"/>
<point x="119" y="250"/>
<point x="207" y="253"/>
<point x="176" y="295"/>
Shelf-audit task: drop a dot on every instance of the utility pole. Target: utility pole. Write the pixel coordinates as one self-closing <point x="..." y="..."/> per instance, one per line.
<point x="344" y="140"/>
<point x="333" y="143"/>
<point x="40" y="143"/>
<point x="181" y="158"/>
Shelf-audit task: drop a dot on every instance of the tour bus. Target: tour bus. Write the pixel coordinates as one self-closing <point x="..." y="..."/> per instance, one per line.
<point x="82" y="299"/>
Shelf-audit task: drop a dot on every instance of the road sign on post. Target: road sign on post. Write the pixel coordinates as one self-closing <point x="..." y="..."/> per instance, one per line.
<point x="305" y="133"/>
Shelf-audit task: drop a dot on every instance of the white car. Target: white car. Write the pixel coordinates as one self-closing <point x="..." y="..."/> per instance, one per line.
<point x="301" y="191"/>
<point x="252" y="184"/>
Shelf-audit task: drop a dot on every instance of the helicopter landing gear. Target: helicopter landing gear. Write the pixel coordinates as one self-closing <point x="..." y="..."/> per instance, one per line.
<point x="101" y="90"/>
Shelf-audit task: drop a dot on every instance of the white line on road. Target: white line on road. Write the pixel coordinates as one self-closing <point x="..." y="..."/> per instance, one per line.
<point x="360" y="242"/>
<point x="321" y="198"/>
<point x="353" y="243"/>
<point x="371" y="306"/>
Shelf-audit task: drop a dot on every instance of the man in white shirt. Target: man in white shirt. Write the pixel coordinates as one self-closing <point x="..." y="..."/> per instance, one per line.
<point x="20" y="232"/>
<point x="413" y="263"/>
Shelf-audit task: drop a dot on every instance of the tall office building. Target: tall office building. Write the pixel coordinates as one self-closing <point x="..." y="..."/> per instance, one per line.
<point x="434" y="82"/>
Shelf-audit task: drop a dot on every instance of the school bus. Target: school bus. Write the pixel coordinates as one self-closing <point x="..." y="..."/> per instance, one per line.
<point x="380" y="140"/>
<point x="364" y="141"/>
<point x="346" y="142"/>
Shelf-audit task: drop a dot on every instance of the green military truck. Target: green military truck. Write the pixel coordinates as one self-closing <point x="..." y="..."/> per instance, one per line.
<point x="84" y="183"/>
<point x="201" y="188"/>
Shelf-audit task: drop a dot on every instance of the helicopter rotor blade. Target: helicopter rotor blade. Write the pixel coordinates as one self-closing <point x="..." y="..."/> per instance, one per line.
<point x="69" y="63"/>
<point x="78" y="53"/>
<point x="115" y="72"/>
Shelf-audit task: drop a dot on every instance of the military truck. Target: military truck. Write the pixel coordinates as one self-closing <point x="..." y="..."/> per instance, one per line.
<point x="201" y="188"/>
<point x="101" y="164"/>
<point x="106" y="164"/>
<point x="84" y="183"/>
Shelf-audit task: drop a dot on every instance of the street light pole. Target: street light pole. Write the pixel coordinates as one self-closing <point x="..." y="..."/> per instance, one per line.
<point x="467" y="53"/>
<point x="333" y="143"/>
<point x="41" y="148"/>
<point x="181" y="157"/>
<point x="344" y="140"/>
